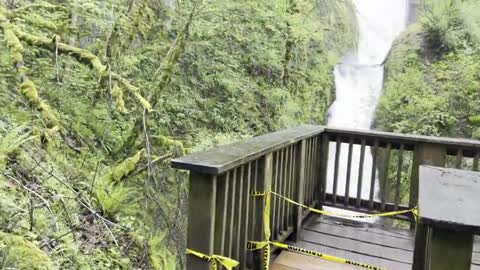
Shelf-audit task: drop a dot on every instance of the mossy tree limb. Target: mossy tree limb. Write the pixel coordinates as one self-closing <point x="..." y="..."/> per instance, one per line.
<point x="27" y="87"/>
<point x="83" y="56"/>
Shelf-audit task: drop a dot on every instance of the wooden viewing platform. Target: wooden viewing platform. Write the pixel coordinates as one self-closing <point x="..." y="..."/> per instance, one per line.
<point x="224" y="216"/>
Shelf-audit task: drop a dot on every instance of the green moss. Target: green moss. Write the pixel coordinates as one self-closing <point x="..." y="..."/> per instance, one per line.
<point x="166" y="142"/>
<point x="118" y="96"/>
<point x="19" y="253"/>
<point x="126" y="167"/>
<point x="30" y="92"/>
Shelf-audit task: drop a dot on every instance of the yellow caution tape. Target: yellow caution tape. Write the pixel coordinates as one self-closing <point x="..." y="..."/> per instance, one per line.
<point x="214" y="260"/>
<point x="265" y="245"/>
<point x="253" y="245"/>
<point x="334" y="214"/>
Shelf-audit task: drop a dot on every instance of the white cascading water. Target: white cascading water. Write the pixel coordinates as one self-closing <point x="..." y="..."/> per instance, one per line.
<point x="359" y="81"/>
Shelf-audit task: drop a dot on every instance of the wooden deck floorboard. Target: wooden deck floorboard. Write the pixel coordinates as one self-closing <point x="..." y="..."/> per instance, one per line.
<point x="377" y="245"/>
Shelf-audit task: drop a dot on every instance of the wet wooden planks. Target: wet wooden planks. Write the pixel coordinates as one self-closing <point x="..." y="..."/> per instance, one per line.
<point x="293" y="261"/>
<point x="377" y="245"/>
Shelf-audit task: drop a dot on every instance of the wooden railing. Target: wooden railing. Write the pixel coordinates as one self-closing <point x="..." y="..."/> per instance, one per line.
<point x="305" y="164"/>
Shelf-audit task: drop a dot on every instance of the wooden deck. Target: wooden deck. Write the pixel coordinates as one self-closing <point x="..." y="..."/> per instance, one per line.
<point x="374" y="244"/>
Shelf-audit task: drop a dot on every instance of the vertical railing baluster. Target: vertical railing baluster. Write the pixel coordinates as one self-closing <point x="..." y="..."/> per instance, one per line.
<point x="264" y="182"/>
<point x="315" y="178"/>
<point x="299" y="196"/>
<point x="221" y="212"/>
<point x="324" y="149"/>
<point x="280" y="187"/>
<point x="475" y="161"/>
<point x="293" y="183"/>
<point x="335" y="172"/>
<point x="385" y="176"/>
<point x="285" y="188"/>
<point x="240" y="222"/>
<point x="399" y="175"/>
<point x="246" y="214"/>
<point x="253" y="207"/>
<point x="458" y="161"/>
<point x="231" y="213"/>
<point x="360" y="173"/>
<point x="349" y="166"/>
<point x="274" y="199"/>
<point x="373" y="175"/>
<point x="307" y="172"/>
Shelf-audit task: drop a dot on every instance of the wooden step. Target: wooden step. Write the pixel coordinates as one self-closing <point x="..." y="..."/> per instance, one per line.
<point x="293" y="261"/>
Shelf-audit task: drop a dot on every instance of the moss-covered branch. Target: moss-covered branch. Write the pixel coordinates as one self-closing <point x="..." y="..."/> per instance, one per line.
<point x="167" y="67"/>
<point x="27" y="87"/>
<point x="83" y="56"/>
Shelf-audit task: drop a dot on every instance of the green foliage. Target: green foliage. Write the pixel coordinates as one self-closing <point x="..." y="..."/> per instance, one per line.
<point x="433" y="74"/>
<point x="160" y="258"/>
<point x="101" y="80"/>
<point x="18" y="253"/>
<point x="452" y="25"/>
<point x="10" y="142"/>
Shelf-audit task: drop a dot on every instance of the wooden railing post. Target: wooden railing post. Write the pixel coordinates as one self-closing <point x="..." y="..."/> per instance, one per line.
<point x="264" y="184"/>
<point x="322" y="191"/>
<point x="425" y="154"/>
<point x="300" y="189"/>
<point x="201" y="224"/>
<point x="446" y="209"/>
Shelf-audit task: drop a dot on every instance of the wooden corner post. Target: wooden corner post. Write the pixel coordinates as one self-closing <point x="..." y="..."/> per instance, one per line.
<point x="201" y="224"/>
<point x="425" y="154"/>
<point x="264" y="184"/>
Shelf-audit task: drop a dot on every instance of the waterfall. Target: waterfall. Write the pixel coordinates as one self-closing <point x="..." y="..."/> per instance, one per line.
<point x="358" y="85"/>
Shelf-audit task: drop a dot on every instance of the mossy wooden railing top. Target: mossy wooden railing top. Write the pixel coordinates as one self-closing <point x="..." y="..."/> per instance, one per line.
<point x="223" y="158"/>
<point x="220" y="159"/>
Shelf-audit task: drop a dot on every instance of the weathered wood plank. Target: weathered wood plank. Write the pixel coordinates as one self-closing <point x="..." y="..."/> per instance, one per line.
<point x="323" y="167"/>
<point x="349" y="172"/>
<point x="221" y="213"/>
<point x="383" y="251"/>
<point x="399" y="176"/>
<point x="222" y="158"/>
<point x="264" y="182"/>
<point x="338" y="149"/>
<point x="373" y="174"/>
<point x="447" y="198"/>
<point x="300" y="196"/>
<point x="364" y="236"/>
<point x="288" y="260"/>
<point x="360" y="173"/>
<point x="356" y="256"/>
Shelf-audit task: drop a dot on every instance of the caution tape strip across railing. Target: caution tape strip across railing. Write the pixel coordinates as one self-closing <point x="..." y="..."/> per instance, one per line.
<point x="414" y="210"/>
<point x="214" y="260"/>
<point x="254" y="245"/>
<point x="229" y="263"/>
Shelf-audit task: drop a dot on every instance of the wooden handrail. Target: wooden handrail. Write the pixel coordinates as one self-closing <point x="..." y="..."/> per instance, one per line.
<point x="223" y="158"/>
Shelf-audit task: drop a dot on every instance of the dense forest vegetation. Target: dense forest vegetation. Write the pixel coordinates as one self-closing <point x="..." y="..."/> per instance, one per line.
<point x="97" y="95"/>
<point x="432" y="83"/>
